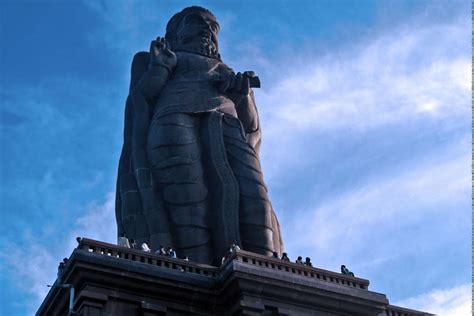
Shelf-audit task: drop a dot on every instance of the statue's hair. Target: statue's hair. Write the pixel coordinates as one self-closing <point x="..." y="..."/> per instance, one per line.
<point x="174" y="22"/>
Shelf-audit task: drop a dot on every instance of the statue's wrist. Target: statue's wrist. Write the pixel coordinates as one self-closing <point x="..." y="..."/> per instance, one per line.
<point x="161" y="65"/>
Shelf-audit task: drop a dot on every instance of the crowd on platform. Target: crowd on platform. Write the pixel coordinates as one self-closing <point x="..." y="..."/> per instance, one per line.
<point x="170" y="252"/>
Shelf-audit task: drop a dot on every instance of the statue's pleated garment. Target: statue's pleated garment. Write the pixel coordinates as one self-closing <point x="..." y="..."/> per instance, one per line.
<point x="212" y="186"/>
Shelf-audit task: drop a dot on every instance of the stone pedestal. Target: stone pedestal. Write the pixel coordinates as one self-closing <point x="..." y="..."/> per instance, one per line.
<point x="117" y="281"/>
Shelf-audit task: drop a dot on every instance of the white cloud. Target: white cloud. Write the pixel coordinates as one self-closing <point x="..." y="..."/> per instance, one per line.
<point x="98" y="222"/>
<point x="454" y="301"/>
<point x="416" y="71"/>
<point x="34" y="264"/>
<point x="418" y="74"/>
<point x="374" y="211"/>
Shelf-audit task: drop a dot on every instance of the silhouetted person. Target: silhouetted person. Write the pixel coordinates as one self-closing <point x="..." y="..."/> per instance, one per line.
<point x="186" y="258"/>
<point x="234" y="247"/>
<point x="161" y="251"/>
<point x="346" y="271"/>
<point x="275" y="255"/>
<point x="145" y="247"/>
<point x="285" y="257"/>
<point x="299" y="260"/>
<point x="172" y="253"/>
<point x="133" y="245"/>
<point x="123" y="241"/>
<point x="307" y="262"/>
<point x="60" y="268"/>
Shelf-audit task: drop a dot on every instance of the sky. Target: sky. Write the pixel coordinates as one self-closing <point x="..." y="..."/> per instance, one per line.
<point x="365" y="108"/>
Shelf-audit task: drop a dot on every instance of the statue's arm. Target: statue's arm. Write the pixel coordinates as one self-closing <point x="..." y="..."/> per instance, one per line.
<point x="151" y="83"/>
<point x="237" y="87"/>
<point x="150" y="73"/>
<point x="126" y="181"/>
<point x="142" y="98"/>
<point x="151" y="70"/>
<point x="248" y="115"/>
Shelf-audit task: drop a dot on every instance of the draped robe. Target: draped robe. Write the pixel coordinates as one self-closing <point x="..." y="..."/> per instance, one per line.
<point x="195" y="181"/>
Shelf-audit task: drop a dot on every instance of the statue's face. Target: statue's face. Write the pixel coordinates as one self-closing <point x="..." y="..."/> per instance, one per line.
<point x="198" y="30"/>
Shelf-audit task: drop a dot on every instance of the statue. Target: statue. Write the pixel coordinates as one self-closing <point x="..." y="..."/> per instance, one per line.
<point x="189" y="173"/>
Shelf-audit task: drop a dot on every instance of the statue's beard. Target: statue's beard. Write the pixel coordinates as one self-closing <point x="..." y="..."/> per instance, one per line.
<point x="202" y="46"/>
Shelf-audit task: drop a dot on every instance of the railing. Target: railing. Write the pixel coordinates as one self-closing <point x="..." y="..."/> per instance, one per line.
<point x="246" y="257"/>
<point x="130" y="254"/>
<point x="392" y="310"/>
<point x="300" y="269"/>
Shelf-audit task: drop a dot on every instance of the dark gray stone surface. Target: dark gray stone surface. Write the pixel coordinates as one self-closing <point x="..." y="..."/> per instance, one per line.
<point x="111" y="280"/>
<point x="189" y="173"/>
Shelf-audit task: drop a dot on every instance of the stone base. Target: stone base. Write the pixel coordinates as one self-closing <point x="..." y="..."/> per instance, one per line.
<point x="112" y="280"/>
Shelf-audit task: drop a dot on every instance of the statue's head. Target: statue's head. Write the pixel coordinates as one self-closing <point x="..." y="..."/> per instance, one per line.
<point x="194" y="30"/>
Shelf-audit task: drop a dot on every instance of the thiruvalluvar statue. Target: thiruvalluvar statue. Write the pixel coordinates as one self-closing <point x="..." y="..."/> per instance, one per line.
<point x="189" y="173"/>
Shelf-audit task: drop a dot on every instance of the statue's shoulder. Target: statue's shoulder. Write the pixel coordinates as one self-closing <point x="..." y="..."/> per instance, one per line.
<point x="226" y="67"/>
<point x="139" y="66"/>
<point x="141" y="57"/>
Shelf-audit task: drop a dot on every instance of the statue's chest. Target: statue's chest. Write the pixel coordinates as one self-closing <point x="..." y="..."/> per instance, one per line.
<point x="192" y="87"/>
<point x="193" y="67"/>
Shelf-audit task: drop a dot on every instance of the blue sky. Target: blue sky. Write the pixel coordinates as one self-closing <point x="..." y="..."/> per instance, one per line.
<point x="365" y="108"/>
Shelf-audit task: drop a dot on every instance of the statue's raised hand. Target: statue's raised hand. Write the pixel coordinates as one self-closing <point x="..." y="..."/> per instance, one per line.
<point x="161" y="55"/>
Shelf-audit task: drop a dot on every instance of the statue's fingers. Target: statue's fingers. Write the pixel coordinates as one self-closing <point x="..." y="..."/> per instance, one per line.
<point x="245" y="85"/>
<point x="161" y="41"/>
<point x="231" y="82"/>
<point x="238" y="82"/>
<point x="153" y="48"/>
<point x="249" y="73"/>
<point x="166" y="48"/>
<point x="156" y="44"/>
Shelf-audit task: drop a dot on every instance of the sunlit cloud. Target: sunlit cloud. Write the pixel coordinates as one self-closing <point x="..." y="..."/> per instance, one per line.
<point x="401" y="201"/>
<point x="43" y="256"/>
<point x="378" y="84"/>
<point x="455" y="301"/>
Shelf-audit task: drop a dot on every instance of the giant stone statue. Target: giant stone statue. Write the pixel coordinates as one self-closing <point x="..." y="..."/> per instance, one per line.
<point x="189" y="173"/>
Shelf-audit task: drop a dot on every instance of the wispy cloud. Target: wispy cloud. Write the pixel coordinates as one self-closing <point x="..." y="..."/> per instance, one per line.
<point x="398" y="202"/>
<point x="391" y="224"/>
<point x="402" y="75"/>
<point x="416" y="77"/>
<point x="455" y="301"/>
<point x="98" y="222"/>
<point x="32" y="265"/>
